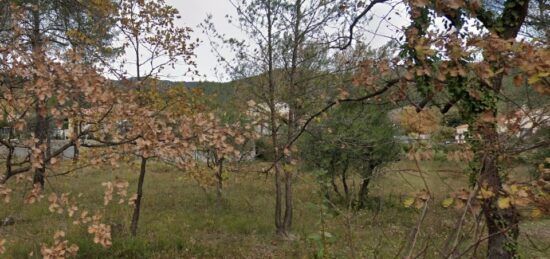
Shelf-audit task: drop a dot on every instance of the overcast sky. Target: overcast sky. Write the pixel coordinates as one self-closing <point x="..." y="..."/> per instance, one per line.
<point x="194" y="12"/>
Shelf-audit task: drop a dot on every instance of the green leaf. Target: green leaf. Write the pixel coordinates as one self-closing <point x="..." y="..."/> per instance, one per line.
<point x="408" y="202"/>
<point x="314" y="236"/>
<point x="447" y="202"/>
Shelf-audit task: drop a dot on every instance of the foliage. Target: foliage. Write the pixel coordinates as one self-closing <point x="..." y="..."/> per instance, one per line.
<point x="424" y="122"/>
<point x="175" y="204"/>
<point x="471" y="68"/>
<point x="353" y="138"/>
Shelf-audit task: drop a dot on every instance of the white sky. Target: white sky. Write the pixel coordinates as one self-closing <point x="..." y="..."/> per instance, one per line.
<point x="194" y="12"/>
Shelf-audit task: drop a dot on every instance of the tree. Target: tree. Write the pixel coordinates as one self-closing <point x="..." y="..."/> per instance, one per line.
<point x="469" y="70"/>
<point x="354" y="138"/>
<point x="46" y="31"/>
<point x="46" y="79"/>
<point x="259" y="19"/>
<point x="293" y="67"/>
<point x="147" y="28"/>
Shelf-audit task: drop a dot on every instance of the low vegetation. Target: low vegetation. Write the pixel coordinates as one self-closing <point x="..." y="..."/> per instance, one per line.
<point x="182" y="220"/>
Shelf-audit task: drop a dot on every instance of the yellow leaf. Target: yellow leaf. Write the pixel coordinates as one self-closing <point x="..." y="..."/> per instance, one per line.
<point x="504" y="202"/>
<point x="514" y="188"/>
<point x="486" y="193"/>
<point x="408" y="202"/>
<point x="536" y="213"/>
<point x="537" y="77"/>
<point x="447" y="202"/>
<point x="459" y="204"/>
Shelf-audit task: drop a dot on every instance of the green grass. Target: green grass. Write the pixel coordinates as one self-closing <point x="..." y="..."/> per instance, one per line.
<point x="180" y="220"/>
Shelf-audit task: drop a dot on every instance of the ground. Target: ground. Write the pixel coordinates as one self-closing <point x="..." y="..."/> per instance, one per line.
<point x="182" y="220"/>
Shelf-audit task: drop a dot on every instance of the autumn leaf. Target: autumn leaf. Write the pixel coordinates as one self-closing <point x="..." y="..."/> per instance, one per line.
<point x="2" y="248"/>
<point x="486" y="193"/>
<point x="419" y="3"/>
<point x="455" y="4"/>
<point x="514" y="188"/>
<point x="504" y="202"/>
<point x="474" y="5"/>
<point x="60" y="248"/>
<point x="102" y="234"/>
<point x="459" y="204"/>
<point x="537" y="77"/>
<point x="518" y="80"/>
<point x="536" y="213"/>
<point x="521" y="201"/>
<point x="5" y="193"/>
<point x="35" y="195"/>
<point x="419" y="203"/>
<point x="487" y="117"/>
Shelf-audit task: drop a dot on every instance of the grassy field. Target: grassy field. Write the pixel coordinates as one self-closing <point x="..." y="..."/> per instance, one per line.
<point x="181" y="220"/>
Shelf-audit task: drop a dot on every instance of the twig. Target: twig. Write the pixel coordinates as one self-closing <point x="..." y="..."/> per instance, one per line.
<point x="416" y="230"/>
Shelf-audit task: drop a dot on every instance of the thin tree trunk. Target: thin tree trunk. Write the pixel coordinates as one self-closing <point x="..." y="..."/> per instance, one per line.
<point x="333" y="179"/>
<point x="41" y="123"/>
<point x="292" y="110"/>
<point x="288" y="201"/>
<point x="4" y="178"/>
<point x="76" y="149"/>
<point x="345" y="181"/>
<point x="48" y="137"/>
<point x="219" y="177"/>
<point x="273" y="120"/>
<point x="135" y="216"/>
<point x="364" y="192"/>
<point x="278" y="202"/>
<point x="40" y="132"/>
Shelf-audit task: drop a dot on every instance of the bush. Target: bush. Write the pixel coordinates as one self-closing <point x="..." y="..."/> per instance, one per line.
<point x="355" y="139"/>
<point x="264" y="149"/>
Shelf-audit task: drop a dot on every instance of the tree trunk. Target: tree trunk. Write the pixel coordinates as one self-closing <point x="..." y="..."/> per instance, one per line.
<point x="333" y="179"/>
<point x="48" y="137"/>
<point x="219" y="177"/>
<point x="345" y="181"/>
<point x="76" y="153"/>
<point x="288" y="201"/>
<point x="41" y="124"/>
<point x="273" y="120"/>
<point x="135" y="216"/>
<point x="40" y="132"/>
<point x="502" y="224"/>
<point x="278" y="202"/>
<point x="76" y="149"/>
<point x="364" y="192"/>
<point x="292" y="105"/>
